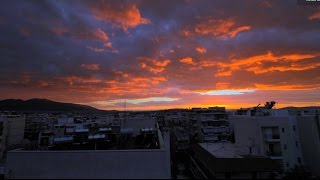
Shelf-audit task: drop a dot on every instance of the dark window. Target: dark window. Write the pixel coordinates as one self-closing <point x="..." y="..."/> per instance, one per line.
<point x="271" y="149"/>
<point x="282" y="130"/>
<point x="299" y="160"/>
<point x="1" y="128"/>
<point x="284" y="146"/>
<point x="297" y="144"/>
<point x="294" y="128"/>
<point x="287" y="164"/>
<point x="250" y="150"/>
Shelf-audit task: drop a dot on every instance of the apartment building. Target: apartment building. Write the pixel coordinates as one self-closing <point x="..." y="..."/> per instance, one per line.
<point x="290" y="138"/>
<point x="101" y="154"/>
<point x="11" y="132"/>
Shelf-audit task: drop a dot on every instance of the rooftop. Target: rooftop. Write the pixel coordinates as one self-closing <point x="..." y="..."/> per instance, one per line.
<point x="223" y="150"/>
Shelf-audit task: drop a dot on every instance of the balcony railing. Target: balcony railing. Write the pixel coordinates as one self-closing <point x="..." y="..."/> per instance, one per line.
<point x="275" y="154"/>
<point x="277" y="136"/>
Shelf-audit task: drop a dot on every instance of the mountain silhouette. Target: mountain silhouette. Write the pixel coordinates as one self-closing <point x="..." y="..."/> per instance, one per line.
<point x="41" y="105"/>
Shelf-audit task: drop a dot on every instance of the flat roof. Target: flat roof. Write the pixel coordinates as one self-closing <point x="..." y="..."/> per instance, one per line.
<point x="105" y="129"/>
<point x="223" y="150"/>
<point x="97" y="136"/>
<point x="126" y="130"/>
<point x="81" y="130"/>
<point x="63" y="139"/>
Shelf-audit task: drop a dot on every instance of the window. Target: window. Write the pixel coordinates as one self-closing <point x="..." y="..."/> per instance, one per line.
<point x="299" y="160"/>
<point x="284" y="146"/>
<point x="294" y="128"/>
<point x="1" y="128"/>
<point x="282" y="130"/>
<point x="287" y="164"/>
<point x="297" y="144"/>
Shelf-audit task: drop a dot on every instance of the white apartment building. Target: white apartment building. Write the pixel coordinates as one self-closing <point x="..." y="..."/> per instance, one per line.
<point x="271" y="132"/>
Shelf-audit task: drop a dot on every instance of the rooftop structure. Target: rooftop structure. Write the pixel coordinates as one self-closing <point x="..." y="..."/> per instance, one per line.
<point x="130" y="157"/>
<point x="224" y="160"/>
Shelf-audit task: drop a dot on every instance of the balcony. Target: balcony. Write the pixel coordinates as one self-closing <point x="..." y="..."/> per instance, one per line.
<point x="274" y="155"/>
<point x="273" y="138"/>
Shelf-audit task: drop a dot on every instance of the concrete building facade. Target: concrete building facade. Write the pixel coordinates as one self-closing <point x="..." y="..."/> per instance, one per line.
<point x="309" y="131"/>
<point x="275" y="135"/>
<point x="11" y="132"/>
<point x="92" y="164"/>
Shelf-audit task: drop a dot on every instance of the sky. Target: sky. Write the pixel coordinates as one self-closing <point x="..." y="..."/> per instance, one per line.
<point x="144" y="55"/>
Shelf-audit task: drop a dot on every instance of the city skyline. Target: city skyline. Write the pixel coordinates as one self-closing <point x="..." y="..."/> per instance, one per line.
<point x="161" y="54"/>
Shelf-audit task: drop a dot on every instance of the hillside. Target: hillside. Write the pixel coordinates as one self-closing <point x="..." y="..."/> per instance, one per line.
<point x="41" y="105"/>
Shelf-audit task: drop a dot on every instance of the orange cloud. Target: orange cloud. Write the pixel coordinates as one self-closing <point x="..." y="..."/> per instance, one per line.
<point x="222" y="85"/>
<point x="153" y="65"/>
<point x="163" y="63"/>
<point x="292" y="67"/>
<point x="125" y="16"/>
<point x="100" y="35"/>
<point x="220" y="28"/>
<point x="87" y="33"/>
<point x="287" y="87"/>
<point x="76" y="79"/>
<point x="201" y="50"/>
<point x="188" y="60"/>
<point x="199" y="64"/>
<point x="255" y="63"/>
<point x="120" y="74"/>
<point x="136" y="85"/>
<point x="108" y="44"/>
<point x="315" y="15"/>
<point x="91" y="66"/>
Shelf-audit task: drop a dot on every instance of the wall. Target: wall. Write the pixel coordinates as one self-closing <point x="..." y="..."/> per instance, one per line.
<point x="16" y="128"/>
<point x="248" y="133"/>
<point x="310" y="141"/>
<point x="123" y="164"/>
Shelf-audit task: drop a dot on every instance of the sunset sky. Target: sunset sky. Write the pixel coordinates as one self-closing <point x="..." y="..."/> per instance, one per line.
<point x="161" y="54"/>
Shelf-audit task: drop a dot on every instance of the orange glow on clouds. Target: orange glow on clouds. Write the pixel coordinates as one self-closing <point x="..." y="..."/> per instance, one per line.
<point x="91" y="66"/>
<point x="153" y="65"/>
<point x="160" y="56"/>
<point x="101" y="35"/>
<point x="315" y="16"/>
<point x="187" y="60"/>
<point x="125" y="16"/>
<point x="201" y="50"/>
<point x="254" y="63"/>
<point x="220" y="28"/>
